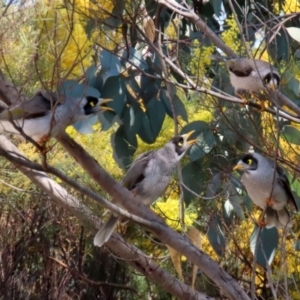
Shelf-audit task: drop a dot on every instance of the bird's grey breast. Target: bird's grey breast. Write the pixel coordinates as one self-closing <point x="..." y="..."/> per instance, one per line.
<point x="158" y="175"/>
<point x="260" y="187"/>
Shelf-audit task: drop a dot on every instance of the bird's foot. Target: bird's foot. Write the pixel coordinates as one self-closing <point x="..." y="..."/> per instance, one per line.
<point x="42" y="143"/>
<point x="259" y="98"/>
<point x="241" y="95"/>
<point x="271" y="201"/>
<point x="261" y="223"/>
<point x="262" y="106"/>
<point x="133" y="192"/>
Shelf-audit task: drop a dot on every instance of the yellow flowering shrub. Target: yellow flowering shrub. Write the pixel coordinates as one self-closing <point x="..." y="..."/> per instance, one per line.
<point x="231" y="36"/>
<point x="169" y="211"/>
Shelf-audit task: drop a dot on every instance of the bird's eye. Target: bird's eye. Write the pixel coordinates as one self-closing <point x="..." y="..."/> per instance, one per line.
<point x="180" y="142"/>
<point x="249" y="161"/>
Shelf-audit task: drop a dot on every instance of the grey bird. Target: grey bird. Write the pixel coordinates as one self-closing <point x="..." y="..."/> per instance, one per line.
<point x="148" y="177"/>
<point x="257" y="177"/>
<point x="252" y="75"/>
<point x="46" y="114"/>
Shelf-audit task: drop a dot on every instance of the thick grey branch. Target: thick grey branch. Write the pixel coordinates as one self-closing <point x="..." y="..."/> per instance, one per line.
<point x="133" y="256"/>
<point x="223" y="280"/>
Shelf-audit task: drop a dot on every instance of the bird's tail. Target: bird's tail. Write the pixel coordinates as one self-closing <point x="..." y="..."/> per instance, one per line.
<point x="284" y="218"/>
<point x="105" y="231"/>
<point x="280" y="219"/>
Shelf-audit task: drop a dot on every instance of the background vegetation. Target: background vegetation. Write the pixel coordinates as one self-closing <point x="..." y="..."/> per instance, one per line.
<point x="153" y="59"/>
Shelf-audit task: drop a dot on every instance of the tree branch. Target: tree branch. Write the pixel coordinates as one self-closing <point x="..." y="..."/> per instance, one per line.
<point x="132" y="255"/>
<point x="168" y="236"/>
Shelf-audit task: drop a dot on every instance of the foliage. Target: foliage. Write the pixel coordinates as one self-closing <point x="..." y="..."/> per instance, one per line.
<point x="101" y="48"/>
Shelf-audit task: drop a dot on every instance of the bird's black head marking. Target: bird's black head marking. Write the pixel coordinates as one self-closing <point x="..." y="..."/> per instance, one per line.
<point x="91" y="102"/>
<point x="178" y="141"/>
<point x="250" y="160"/>
<point x="271" y="76"/>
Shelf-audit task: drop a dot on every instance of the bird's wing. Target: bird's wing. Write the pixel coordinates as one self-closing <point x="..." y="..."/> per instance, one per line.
<point x="136" y="173"/>
<point x="284" y="182"/>
<point x="240" y="67"/>
<point x="39" y="105"/>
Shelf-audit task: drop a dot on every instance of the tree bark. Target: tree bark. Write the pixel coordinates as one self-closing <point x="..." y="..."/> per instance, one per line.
<point x="133" y="256"/>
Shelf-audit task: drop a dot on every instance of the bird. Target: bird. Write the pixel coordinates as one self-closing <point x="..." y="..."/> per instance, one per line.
<point x="148" y="177"/>
<point x="46" y="114"/>
<point x="252" y="75"/>
<point x="257" y="177"/>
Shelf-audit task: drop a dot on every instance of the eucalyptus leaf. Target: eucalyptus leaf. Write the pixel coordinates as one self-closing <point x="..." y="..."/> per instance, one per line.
<point x="291" y="134"/>
<point x="122" y="150"/>
<point x="178" y="105"/>
<point x="114" y="88"/>
<point x="110" y="65"/>
<point x="297" y="245"/>
<point x="107" y="119"/>
<point x="132" y="119"/>
<point x="263" y="244"/>
<point x="194" y="178"/>
<point x="216" y="236"/>
<point x="205" y="139"/>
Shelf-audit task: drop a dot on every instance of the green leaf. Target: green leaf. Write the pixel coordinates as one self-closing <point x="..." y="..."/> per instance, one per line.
<point x="294" y="32"/>
<point x="93" y="78"/>
<point x="236" y="203"/>
<point x="152" y="121"/>
<point x="291" y="134"/>
<point x="216" y="236"/>
<point x="297" y="245"/>
<point x="193" y="177"/>
<point x="122" y="150"/>
<point x="145" y="132"/>
<point x="205" y="139"/>
<point x="149" y="86"/>
<point x="89" y="27"/>
<point x="110" y="65"/>
<point x="107" y="119"/>
<point x="279" y="47"/>
<point x="248" y="202"/>
<point x="155" y="111"/>
<point x="178" y="105"/>
<point x="151" y="7"/>
<point x="132" y="119"/>
<point x="214" y="185"/>
<point x="263" y="244"/>
<point x="217" y="5"/>
<point x="114" y="88"/>
<point x="135" y="57"/>
<point x="115" y="19"/>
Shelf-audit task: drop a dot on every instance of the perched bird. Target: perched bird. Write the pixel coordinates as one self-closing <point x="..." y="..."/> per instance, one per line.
<point x="148" y="177"/>
<point x="272" y="197"/>
<point x="252" y="75"/>
<point x="46" y="114"/>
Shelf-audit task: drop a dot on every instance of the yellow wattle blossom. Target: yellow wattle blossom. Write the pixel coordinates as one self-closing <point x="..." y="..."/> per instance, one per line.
<point x="231" y="36"/>
<point x="169" y="210"/>
<point x="200" y="59"/>
<point x="288" y="7"/>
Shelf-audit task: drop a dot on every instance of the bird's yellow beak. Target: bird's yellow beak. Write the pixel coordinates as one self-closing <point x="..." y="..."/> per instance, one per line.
<point x="187" y="135"/>
<point x="238" y="167"/>
<point x="104" y="101"/>
<point x="272" y="86"/>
